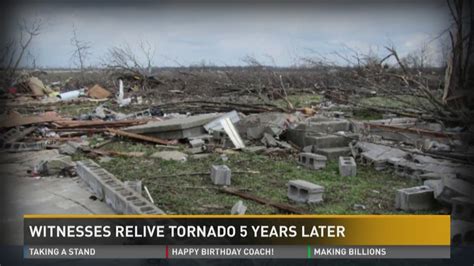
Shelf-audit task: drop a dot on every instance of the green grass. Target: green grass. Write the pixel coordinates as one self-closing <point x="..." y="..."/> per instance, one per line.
<point x="382" y="102"/>
<point x="195" y="194"/>
<point x="366" y="114"/>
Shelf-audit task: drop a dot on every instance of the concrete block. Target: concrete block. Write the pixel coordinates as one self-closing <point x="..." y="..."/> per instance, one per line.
<point x="449" y="188"/>
<point x="55" y="165"/>
<point x="221" y="175"/>
<point x="328" y="141"/>
<point x="432" y="183"/>
<point x="255" y="132"/>
<point x="109" y="188"/>
<point x="435" y="176"/>
<point x="304" y="191"/>
<point x="196" y="143"/>
<point x="69" y="148"/>
<point x="136" y="185"/>
<point x="328" y="126"/>
<point x="334" y="153"/>
<point x="308" y="148"/>
<point x="239" y="208"/>
<point x="347" y="166"/>
<point x="197" y="150"/>
<point x="312" y="161"/>
<point x="297" y="134"/>
<point x="415" y="198"/>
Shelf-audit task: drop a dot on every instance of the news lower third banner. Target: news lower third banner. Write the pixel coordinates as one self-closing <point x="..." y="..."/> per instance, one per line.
<point x="226" y="237"/>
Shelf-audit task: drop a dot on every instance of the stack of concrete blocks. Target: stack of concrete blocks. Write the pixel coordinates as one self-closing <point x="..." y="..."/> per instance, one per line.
<point x="347" y="166"/>
<point x="312" y="161"/>
<point x="415" y="199"/>
<point x="305" y="192"/>
<point x="221" y="175"/>
<point x="325" y="136"/>
<point x="122" y="199"/>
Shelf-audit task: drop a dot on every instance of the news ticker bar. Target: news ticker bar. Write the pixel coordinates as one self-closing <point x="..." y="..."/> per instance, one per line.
<point x="236" y="252"/>
<point x="273" y="230"/>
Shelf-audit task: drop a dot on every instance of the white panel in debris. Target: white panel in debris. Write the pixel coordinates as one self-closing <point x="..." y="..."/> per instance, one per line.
<point x="215" y="125"/>
<point x="232" y="132"/>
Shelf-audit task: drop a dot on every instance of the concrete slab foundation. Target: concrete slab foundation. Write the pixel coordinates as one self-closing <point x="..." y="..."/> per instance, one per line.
<point x="178" y="128"/>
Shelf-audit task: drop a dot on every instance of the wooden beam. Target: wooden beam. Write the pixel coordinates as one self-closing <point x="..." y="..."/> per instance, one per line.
<point x="244" y="195"/>
<point x="141" y="137"/>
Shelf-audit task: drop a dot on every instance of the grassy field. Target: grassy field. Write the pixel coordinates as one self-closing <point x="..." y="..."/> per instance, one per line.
<point x="177" y="192"/>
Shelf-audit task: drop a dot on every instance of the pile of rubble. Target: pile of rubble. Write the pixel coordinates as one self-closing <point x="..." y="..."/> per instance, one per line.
<point x="437" y="157"/>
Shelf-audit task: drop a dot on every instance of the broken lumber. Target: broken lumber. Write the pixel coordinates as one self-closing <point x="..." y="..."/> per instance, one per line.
<point x="116" y="153"/>
<point x="99" y="123"/>
<point x="199" y="106"/>
<point x="244" y="195"/>
<point x="207" y="173"/>
<point x="141" y="137"/>
<point x="15" y="119"/>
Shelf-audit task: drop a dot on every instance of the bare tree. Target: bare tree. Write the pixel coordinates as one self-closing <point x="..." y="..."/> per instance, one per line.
<point x="31" y="57"/>
<point x="14" y="51"/>
<point x="81" y="51"/>
<point x="419" y="59"/>
<point x="124" y="61"/>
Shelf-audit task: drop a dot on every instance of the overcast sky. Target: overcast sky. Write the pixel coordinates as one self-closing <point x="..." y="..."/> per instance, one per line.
<point x="222" y="34"/>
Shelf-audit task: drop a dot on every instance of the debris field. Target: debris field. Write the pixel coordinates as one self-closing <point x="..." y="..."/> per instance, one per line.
<point x="216" y="155"/>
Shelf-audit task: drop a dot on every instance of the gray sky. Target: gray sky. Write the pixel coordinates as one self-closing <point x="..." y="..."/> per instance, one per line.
<point x="222" y="34"/>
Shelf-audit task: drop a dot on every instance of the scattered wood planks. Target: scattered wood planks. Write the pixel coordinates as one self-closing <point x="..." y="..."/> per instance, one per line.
<point x="141" y="137"/>
<point x="15" y="119"/>
<point x="116" y="153"/>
